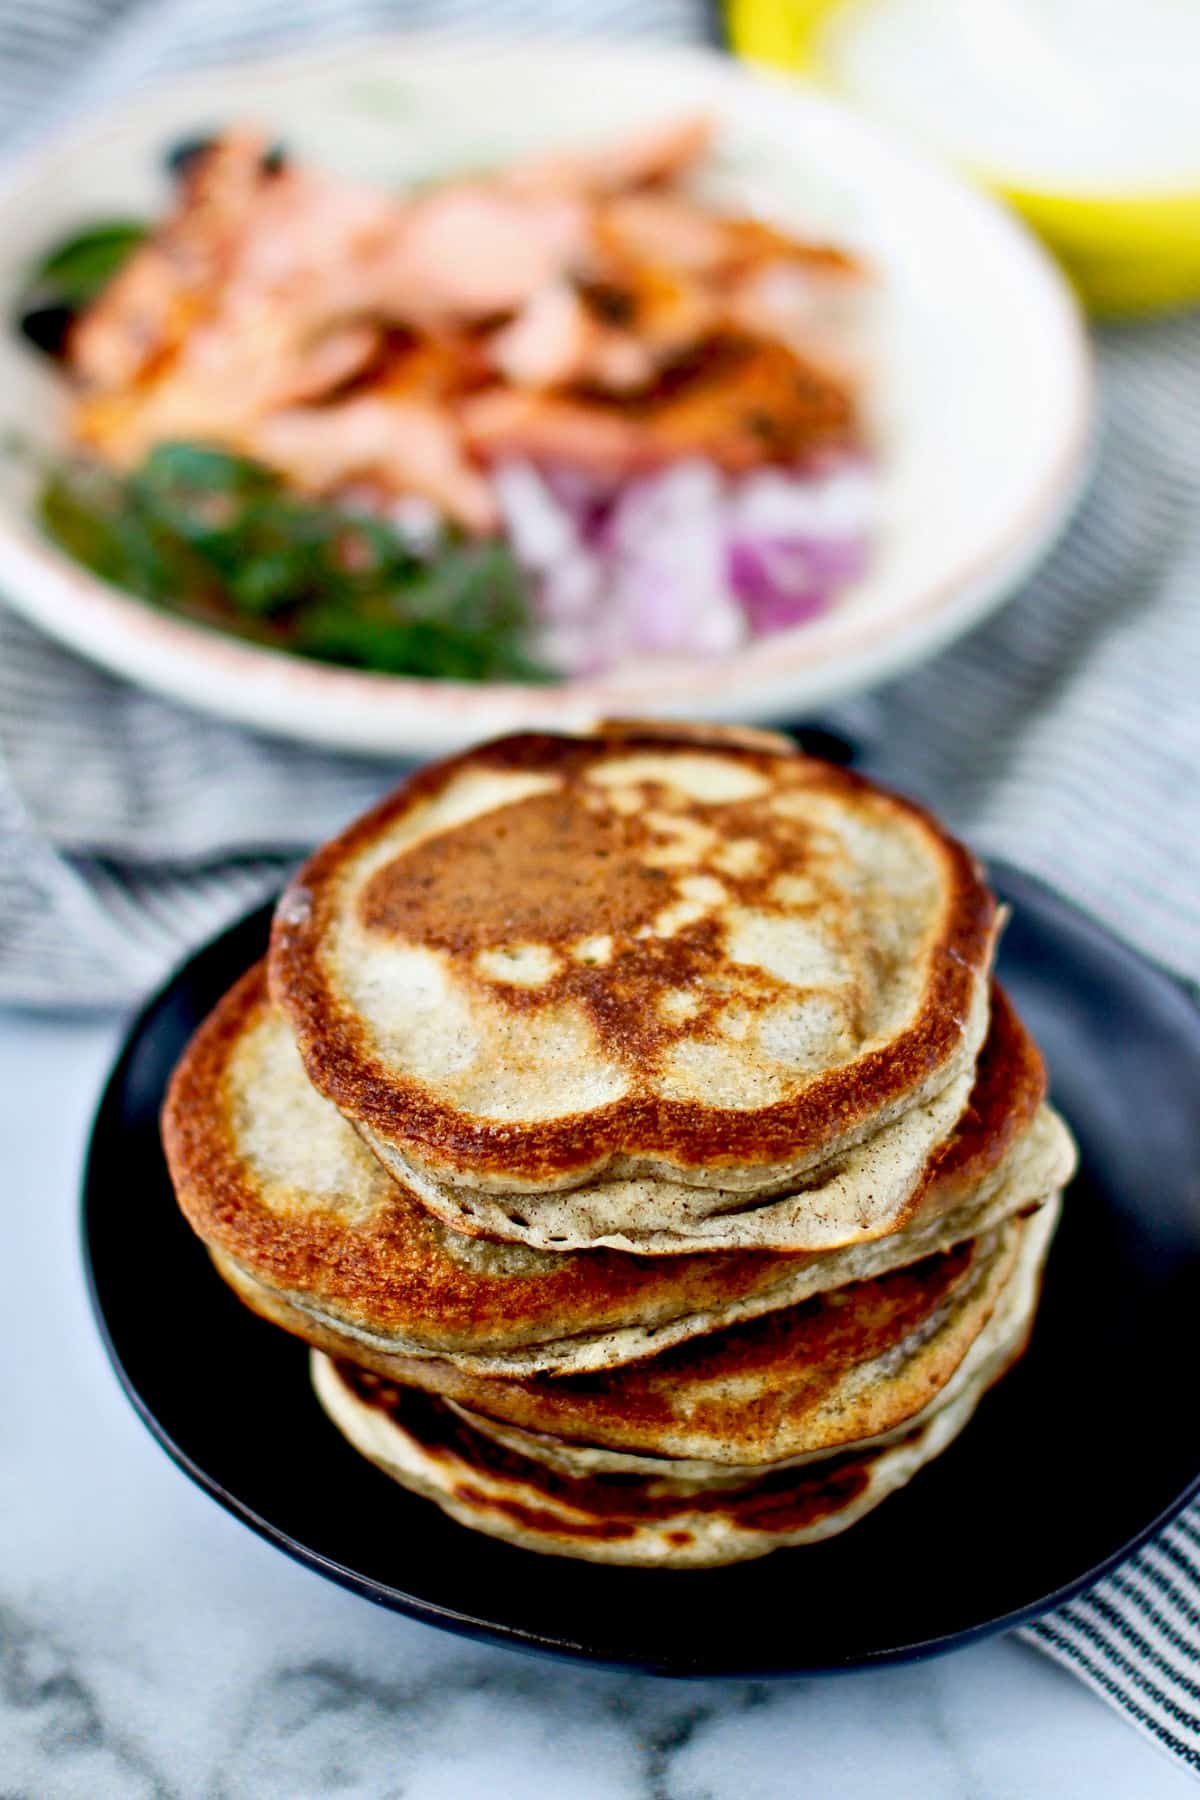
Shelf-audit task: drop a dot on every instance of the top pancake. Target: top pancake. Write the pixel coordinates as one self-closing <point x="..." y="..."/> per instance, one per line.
<point x="556" y="960"/>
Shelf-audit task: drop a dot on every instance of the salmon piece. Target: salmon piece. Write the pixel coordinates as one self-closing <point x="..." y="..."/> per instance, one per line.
<point x="232" y="306"/>
<point x="328" y="362"/>
<point x="654" y="154"/>
<point x="170" y="281"/>
<point x="549" y="342"/>
<point x="673" y="274"/>
<point x="312" y="239"/>
<point x="577" y="309"/>
<point x="753" y="278"/>
<point x="406" y="446"/>
<point x="738" y="403"/>
<point x="509" y="422"/>
<point x="662" y="227"/>
<point x="473" y="251"/>
<point x="680" y="233"/>
<point x="751" y="243"/>
<point x="217" y="385"/>
<point x="742" y="275"/>
<point x="742" y="403"/>
<point x="557" y="340"/>
<point x="243" y="245"/>
<point x="437" y="366"/>
<point x="612" y="333"/>
<point x="665" y="312"/>
<point x="821" y="312"/>
<point x="620" y="363"/>
<point x="477" y="249"/>
<point x="113" y="426"/>
<point x="199" y="398"/>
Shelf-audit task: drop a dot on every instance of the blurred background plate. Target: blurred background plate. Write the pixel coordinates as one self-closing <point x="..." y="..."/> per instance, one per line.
<point x="983" y="403"/>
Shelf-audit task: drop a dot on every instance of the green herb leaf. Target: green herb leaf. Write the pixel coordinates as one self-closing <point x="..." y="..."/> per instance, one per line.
<point x="75" y="271"/>
<point x="220" y="538"/>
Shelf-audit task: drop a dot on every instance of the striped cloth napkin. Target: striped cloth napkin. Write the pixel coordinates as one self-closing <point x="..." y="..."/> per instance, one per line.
<point x="1064" y="735"/>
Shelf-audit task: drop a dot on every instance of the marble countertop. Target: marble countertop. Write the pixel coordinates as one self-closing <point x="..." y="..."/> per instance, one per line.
<point x="150" y="1646"/>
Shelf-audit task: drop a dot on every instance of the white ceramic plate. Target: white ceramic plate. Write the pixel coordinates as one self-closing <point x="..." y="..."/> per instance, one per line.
<point x="984" y="401"/>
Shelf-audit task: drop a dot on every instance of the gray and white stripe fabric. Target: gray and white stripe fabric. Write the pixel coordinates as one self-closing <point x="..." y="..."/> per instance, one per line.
<point x="1064" y="735"/>
<point x="1135" y="1638"/>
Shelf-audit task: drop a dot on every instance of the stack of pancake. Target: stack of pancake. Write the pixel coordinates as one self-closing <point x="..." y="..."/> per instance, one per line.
<point x="632" y="1125"/>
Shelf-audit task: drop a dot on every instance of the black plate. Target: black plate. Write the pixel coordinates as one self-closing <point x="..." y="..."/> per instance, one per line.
<point x="1072" y="1460"/>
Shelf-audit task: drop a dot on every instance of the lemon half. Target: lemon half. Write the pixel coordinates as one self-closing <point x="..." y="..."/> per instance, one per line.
<point x="1083" y="116"/>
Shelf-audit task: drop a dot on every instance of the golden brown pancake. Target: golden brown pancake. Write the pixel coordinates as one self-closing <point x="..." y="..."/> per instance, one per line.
<point x="787" y="1384"/>
<point x="552" y="1496"/>
<point x="556" y="962"/>
<point x="421" y="1443"/>
<point x="842" y="1366"/>
<point x="285" y="1194"/>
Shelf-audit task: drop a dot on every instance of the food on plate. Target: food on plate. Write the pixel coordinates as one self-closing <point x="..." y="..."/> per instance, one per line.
<point x="552" y="1495"/>
<point x="366" y="1262"/>
<point x="638" y="994"/>
<point x="523" y="424"/>
<point x="632" y="1126"/>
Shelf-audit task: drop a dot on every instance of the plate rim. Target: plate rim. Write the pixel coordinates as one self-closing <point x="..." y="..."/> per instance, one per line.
<point x="369" y="713"/>
<point x="1013" y="882"/>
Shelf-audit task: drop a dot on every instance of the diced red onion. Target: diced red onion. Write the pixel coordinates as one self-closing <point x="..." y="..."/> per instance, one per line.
<point x="686" y="562"/>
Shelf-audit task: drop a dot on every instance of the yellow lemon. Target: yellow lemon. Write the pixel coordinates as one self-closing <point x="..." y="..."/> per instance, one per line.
<point x="1081" y="113"/>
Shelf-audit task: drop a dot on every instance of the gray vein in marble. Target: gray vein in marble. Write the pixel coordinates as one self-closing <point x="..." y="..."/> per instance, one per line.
<point x="665" y="1740"/>
<point x="321" y="1721"/>
<point x="57" y="1718"/>
<point x="941" y="1729"/>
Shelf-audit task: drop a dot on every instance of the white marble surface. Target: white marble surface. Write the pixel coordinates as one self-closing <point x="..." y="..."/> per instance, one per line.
<point x="151" y="1646"/>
